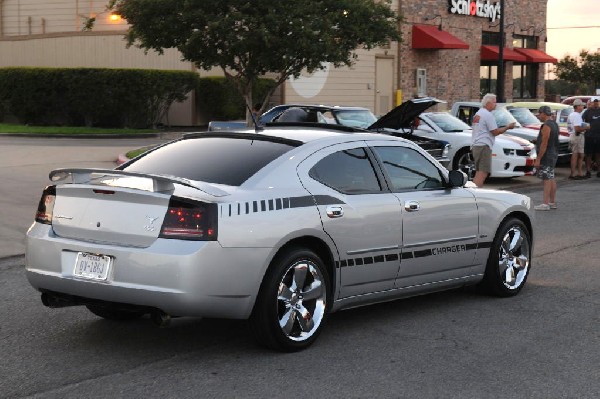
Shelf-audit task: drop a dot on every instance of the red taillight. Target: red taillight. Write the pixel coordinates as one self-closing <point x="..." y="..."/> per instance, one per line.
<point x="190" y="220"/>
<point x="46" y="206"/>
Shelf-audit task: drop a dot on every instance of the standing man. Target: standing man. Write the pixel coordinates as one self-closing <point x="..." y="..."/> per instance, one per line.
<point x="576" y="128"/>
<point x="592" y="138"/>
<point x="546" y="146"/>
<point x="485" y="131"/>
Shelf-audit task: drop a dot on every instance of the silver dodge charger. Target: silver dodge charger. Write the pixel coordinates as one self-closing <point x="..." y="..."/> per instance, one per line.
<point x="280" y="226"/>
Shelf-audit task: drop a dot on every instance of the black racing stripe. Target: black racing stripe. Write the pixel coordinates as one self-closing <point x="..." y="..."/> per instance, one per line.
<point x="368" y="260"/>
<point x="391" y="257"/>
<point x="350" y="262"/>
<point x="247" y="208"/>
<point x="358" y="261"/>
<point x="327" y="200"/>
<point x="344" y="263"/>
<point x="239" y="208"/>
<point x="407" y="255"/>
<point x="484" y="244"/>
<point x="286" y="203"/>
<point x="278" y="205"/>
<point x="378" y="258"/>
<point x="471" y="247"/>
<point x="423" y="253"/>
<point x="271" y="207"/>
<point x="301" y="202"/>
<point x="254" y="206"/>
<point x="263" y="205"/>
<point x="230" y="210"/>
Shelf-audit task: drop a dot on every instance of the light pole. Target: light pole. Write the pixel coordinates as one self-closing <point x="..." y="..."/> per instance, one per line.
<point x="500" y="77"/>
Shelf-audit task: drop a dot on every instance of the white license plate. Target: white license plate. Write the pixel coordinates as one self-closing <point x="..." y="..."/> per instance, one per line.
<point x="93" y="267"/>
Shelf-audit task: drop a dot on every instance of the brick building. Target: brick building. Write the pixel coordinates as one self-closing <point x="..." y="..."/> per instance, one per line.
<point x="446" y="52"/>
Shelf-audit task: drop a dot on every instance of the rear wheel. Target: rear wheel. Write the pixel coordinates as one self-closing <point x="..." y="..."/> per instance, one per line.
<point x="111" y="313"/>
<point x="291" y="307"/>
<point x="463" y="161"/>
<point x="509" y="260"/>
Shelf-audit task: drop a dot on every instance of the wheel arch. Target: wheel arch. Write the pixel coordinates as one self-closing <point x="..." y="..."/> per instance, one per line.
<point x="312" y="243"/>
<point x="523" y="217"/>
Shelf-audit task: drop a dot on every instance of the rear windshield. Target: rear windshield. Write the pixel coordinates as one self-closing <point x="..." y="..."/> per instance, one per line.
<point x="221" y="160"/>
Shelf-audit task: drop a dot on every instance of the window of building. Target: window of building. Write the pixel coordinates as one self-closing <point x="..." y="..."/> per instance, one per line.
<point x="488" y="77"/>
<point x="524" y="75"/>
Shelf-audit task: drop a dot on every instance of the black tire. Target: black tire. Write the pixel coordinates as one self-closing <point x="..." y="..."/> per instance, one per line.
<point x="509" y="260"/>
<point x="114" y="314"/>
<point x="463" y="161"/>
<point x="291" y="307"/>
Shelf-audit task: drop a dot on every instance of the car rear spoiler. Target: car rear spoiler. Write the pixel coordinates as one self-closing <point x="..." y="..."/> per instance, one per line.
<point x="159" y="182"/>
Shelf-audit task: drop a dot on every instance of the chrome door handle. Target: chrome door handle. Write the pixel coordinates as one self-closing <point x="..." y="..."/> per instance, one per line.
<point x="335" y="211"/>
<point x="412" y="206"/>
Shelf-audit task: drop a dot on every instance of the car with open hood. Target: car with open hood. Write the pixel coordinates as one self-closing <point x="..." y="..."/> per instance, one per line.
<point x="282" y="228"/>
<point x="358" y="118"/>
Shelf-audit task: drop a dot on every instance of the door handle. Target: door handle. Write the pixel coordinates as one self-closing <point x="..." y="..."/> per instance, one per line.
<point x="335" y="212"/>
<point x="412" y="206"/>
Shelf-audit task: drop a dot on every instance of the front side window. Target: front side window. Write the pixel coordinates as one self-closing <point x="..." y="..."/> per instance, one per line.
<point x="348" y="171"/>
<point x="408" y="169"/>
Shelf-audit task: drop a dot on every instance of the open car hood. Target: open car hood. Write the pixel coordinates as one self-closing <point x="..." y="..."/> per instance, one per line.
<point x="403" y="115"/>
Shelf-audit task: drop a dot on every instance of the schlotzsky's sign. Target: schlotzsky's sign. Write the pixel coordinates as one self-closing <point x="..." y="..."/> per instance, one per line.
<point x="476" y="8"/>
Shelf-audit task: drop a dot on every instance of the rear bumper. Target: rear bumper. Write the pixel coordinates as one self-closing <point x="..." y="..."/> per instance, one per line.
<point x="181" y="278"/>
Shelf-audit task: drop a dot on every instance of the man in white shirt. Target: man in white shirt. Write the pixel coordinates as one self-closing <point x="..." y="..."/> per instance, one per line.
<point x="485" y="131"/>
<point x="577" y="128"/>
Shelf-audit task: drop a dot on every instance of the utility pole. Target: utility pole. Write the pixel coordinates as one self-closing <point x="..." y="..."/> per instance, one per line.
<point x="500" y="77"/>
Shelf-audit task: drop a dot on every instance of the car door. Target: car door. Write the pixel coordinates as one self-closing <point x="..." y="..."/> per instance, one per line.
<point x="439" y="225"/>
<point x="361" y="217"/>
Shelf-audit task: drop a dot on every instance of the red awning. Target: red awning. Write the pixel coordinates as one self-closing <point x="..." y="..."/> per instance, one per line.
<point x="536" y="56"/>
<point x="430" y="37"/>
<point x="492" y="53"/>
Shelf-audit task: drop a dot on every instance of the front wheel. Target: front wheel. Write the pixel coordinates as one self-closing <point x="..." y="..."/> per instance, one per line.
<point x="291" y="307"/>
<point x="509" y="260"/>
<point x="464" y="162"/>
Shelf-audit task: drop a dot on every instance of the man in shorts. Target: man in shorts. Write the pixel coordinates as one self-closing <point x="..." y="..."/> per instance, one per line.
<point x="592" y="137"/>
<point x="485" y="131"/>
<point x="577" y="128"/>
<point x="546" y="147"/>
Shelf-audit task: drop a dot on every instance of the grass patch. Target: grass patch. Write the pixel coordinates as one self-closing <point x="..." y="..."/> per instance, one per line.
<point x="138" y="151"/>
<point x="67" y="130"/>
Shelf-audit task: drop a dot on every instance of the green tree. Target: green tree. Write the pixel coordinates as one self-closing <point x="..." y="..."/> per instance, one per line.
<point x="583" y="71"/>
<point x="249" y="39"/>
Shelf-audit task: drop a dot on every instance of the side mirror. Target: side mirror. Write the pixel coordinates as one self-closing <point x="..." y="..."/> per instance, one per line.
<point x="457" y="178"/>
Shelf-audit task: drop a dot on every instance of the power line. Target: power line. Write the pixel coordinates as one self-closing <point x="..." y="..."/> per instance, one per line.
<point x="576" y="27"/>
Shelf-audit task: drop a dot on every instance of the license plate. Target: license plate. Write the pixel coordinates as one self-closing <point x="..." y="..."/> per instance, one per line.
<point x="92" y="267"/>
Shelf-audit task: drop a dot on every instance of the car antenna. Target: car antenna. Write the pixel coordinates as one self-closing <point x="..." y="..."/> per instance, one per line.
<point x="257" y="128"/>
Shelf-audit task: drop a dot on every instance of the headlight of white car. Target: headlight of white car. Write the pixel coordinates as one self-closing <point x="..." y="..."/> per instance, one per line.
<point x="511" y="152"/>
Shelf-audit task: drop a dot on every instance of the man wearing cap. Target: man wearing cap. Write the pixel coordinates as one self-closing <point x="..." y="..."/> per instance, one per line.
<point x="546" y="147"/>
<point x="592" y="137"/>
<point x="484" y="134"/>
<point x="577" y="127"/>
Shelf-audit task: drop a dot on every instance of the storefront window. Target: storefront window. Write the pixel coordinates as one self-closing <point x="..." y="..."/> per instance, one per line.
<point x="524" y="76"/>
<point x="488" y="75"/>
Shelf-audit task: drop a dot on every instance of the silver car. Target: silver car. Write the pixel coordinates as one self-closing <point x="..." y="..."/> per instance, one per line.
<point x="282" y="226"/>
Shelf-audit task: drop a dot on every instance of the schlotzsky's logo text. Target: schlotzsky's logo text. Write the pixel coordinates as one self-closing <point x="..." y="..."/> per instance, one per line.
<point x="476" y="8"/>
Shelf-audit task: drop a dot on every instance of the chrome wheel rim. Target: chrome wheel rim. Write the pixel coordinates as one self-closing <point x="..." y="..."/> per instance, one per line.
<point x="466" y="164"/>
<point x="301" y="300"/>
<point x="513" y="258"/>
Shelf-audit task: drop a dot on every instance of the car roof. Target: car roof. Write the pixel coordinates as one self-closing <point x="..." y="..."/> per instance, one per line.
<point x="320" y="107"/>
<point x="537" y="104"/>
<point x="297" y="134"/>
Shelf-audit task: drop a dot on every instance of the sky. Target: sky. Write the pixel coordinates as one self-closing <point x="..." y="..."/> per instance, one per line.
<point x="578" y="24"/>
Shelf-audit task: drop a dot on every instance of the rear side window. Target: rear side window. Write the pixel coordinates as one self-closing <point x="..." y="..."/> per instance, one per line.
<point x="349" y="172"/>
<point x="221" y="160"/>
